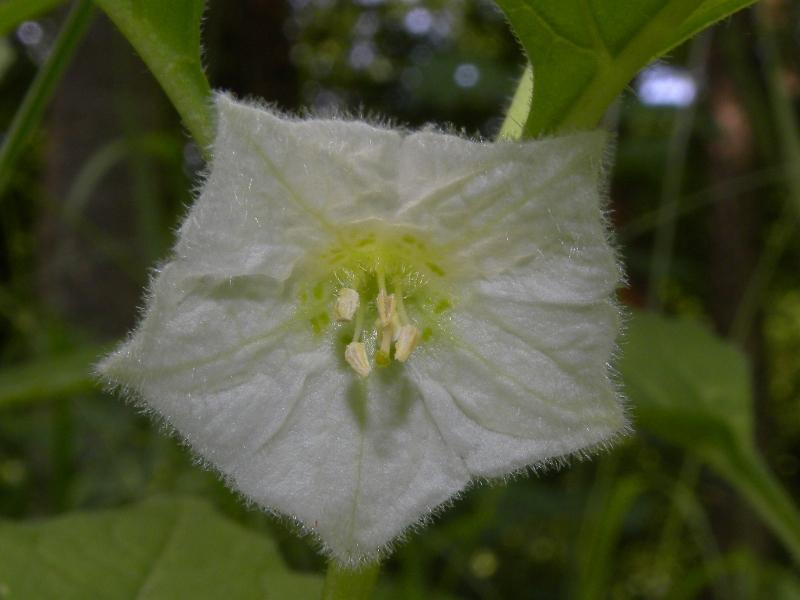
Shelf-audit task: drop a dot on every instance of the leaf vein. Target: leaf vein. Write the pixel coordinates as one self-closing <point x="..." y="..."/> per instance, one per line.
<point x="553" y="30"/>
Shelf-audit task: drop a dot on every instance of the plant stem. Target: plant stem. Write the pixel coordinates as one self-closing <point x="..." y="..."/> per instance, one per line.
<point x="782" y="105"/>
<point x="746" y="470"/>
<point x="778" y="240"/>
<point x="789" y="146"/>
<point x="29" y="114"/>
<point x="673" y="180"/>
<point x="517" y="113"/>
<point x="609" y="502"/>
<point x="350" y="584"/>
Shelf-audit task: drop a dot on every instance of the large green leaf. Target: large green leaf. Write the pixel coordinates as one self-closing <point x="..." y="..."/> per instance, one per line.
<point x="166" y="34"/>
<point x="584" y="52"/>
<point x="688" y="386"/>
<point x="692" y="389"/>
<point x="162" y="549"/>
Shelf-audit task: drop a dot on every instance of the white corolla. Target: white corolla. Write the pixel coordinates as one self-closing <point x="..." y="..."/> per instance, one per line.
<point x="358" y="322"/>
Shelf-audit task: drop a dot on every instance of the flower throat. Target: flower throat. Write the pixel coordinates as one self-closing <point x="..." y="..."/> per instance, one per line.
<point x="384" y="289"/>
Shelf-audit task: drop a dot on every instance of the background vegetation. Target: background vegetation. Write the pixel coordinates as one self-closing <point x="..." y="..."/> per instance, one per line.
<point x="705" y="199"/>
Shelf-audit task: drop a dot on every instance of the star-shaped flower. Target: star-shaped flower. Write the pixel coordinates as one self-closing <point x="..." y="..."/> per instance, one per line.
<point x="357" y="322"/>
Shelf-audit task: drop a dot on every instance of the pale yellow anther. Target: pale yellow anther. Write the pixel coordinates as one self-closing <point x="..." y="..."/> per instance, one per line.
<point x="346" y="304"/>
<point x="386" y="307"/>
<point x="356" y="356"/>
<point x="406" y="342"/>
<point x="395" y="327"/>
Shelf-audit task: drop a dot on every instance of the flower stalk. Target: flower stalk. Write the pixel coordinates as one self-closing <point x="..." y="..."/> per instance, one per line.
<point x="350" y="584"/>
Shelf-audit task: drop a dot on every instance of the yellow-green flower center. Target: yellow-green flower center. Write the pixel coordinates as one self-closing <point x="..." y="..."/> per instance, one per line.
<point x="384" y="289"/>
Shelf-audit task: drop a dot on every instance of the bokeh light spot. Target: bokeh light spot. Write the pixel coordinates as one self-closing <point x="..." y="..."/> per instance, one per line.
<point x="466" y="75"/>
<point x="660" y="85"/>
<point x="30" y="33"/>
<point x="418" y="21"/>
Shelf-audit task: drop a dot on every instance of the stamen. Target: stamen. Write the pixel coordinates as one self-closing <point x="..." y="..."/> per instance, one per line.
<point x="386" y="307"/>
<point x="395" y="325"/>
<point x="407" y="340"/>
<point x="359" y="325"/>
<point x="381" y="277"/>
<point x="356" y="356"/>
<point x="384" y="327"/>
<point x="346" y="304"/>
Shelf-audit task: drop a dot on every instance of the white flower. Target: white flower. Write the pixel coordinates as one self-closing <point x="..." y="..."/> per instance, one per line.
<point x="358" y="322"/>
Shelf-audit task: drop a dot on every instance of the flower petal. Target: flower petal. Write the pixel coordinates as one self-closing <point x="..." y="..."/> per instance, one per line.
<point x="525" y="376"/>
<point x="498" y="205"/>
<point x="524" y="384"/>
<point x="355" y="461"/>
<point x="202" y="336"/>
<point x="277" y="185"/>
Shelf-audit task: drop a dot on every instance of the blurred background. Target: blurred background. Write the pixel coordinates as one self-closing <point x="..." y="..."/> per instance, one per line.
<point x="705" y="198"/>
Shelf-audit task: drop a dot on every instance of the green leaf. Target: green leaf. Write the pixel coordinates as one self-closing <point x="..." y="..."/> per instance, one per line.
<point x="688" y="386"/>
<point x="692" y="390"/>
<point x="167" y="37"/>
<point x="584" y="52"/>
<point x="164" y="548"/>
<point x="14" y="12"/>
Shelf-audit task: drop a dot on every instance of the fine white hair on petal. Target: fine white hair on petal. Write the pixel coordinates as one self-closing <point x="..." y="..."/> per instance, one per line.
<point x="516" y="374"/>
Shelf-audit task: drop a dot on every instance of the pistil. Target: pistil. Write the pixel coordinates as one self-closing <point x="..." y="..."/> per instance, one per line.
<point x="383" y="355"/>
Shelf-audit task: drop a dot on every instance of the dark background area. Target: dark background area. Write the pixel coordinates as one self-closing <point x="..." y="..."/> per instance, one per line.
<point x="703" y="199"/>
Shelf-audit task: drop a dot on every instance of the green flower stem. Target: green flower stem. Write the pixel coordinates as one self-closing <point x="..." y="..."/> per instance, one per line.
<point x="29" y="114"/>
<point x="746" y="471"/>
<point x="613" y="74"/>
<point x="517" y="113"/>
<point x="604" y="516"/>
<point x="350" y="584"/>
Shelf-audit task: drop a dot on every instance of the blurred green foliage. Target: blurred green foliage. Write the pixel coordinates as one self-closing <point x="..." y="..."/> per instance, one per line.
<point x="167" y="37"/>
<point x="82" y="221"/>
<point x="162" y="548"/>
